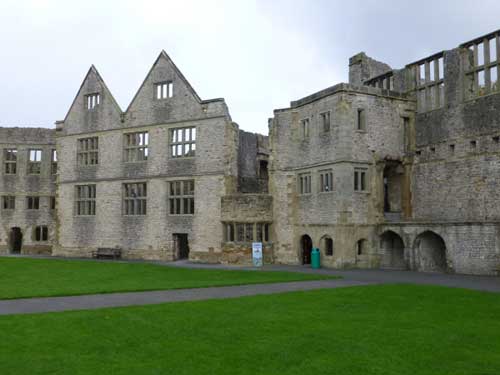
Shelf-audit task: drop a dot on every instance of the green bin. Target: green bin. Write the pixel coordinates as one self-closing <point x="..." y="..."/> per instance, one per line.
<point x="315" y="258"/>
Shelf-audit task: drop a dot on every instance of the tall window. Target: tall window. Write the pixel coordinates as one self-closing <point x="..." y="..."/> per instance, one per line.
<point x="135" y="198"/>
<point x="325" y="121"/>
<point x="361" y="121"/>
<point x="41" y="233"/>
<point x="181" y="198"/>
<point x="305" y="183"/>
<point x="305" y="128"/>
<point x="53" y="160"/>
<point x="85" y="200"/>
<point x="34" y="161"/>
<point x="328" y="246"/>
<point x="325" y="181"/>
<point x="183" y="142"/>
<point x="10" y="161"/>
<point x="360" y="180"/>
<point x="246" y="232"/>
<point x="93" y="100"/>
<point x="136" y="146"/>
<point x="8" y="202"/>
<point x="88" y="151"/>
<point x="33" y="203"/>
<point x="164" y="90"/>
<point x="52" y="203"/>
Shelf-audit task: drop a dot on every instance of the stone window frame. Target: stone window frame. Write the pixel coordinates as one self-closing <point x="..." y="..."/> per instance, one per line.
<point x="164" y="90"/>
<point x="260" y="232"/>
<point x="41" y="233"/>
<point x="360" y="180"/>
<point x="382" y="81"/>
<point x="35" y="156"/>
<point x="33" y="202"/>
<point x="428" y="75"/>
<point x="10" y="161"/>
<point x="8" y="202"/>
<point x="85" y="200"/>
<point x="482" y="61"/>
<point x="53" y="161"/>
<point x="325" y="179"/>
<point x="361" y="123"/>
<point x="304" y="181"/>
<point x="92" y="101"/>
<point x="87" y="152"/>
<point x="305" y="128"/>
<point x="135" y="197"/>
<point x="326" y="121"/>
<point x="181" y="197"/>
<point x="361" y="247"/>
<point x="182" y="142"/>
<point x="327" y="245"/>
<point x="136" y="147"/>
<point x="53" y="203"/>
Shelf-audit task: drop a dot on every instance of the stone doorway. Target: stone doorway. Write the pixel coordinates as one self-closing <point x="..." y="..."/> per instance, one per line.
<point x="393" y="251"/>
<point x="181" y="246"/>
<point x="306" y="248"/>
<point x="430" y="251"/>
<point x="16" y="240"/>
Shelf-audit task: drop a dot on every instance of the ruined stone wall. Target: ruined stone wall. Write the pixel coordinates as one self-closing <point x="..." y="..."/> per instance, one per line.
<point x="23" y="184"/>
<point x="252" y="150"/>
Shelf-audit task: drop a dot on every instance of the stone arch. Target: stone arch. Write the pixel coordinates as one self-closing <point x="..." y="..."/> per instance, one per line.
<point x="392" y="250"/>
<point x="326" y="245"/>
<point x="430" y="252"/>
<point x="306" y="246"/>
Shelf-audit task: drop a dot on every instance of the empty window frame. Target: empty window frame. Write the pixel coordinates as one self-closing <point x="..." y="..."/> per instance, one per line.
<point x="135" y="198"/>
<point x="384" y="81"/>
<point x="361" y="247"/>
<point x="10" y="161"/>
<point x="53" y="161"/>
<point x="33" y="203"/>
<point x="246" y="232"/>
<point x="164" y="90"/>
<point x="181" y="197"/>
<point x="360" y="180"/>
<point x="41" y="233"/>
<point x="92" y="100"/>
<point x="304" y="183"/>
<point x="34" y="161"/>
<point x="325" y="181"/>
<point x="88" y="151"/>
<point x="9" y="202"/>
<point x="52" y="203"/>
<point x="304" y="124"/>
<point x="85" y="202"/>
<point x="325" y="121"/>
<point x="136" y="147"/>
<point x="361" y="120"/>
<point x="482" y="65"/>
<point x="183" y="142"/>
<point x="328" y="246"/>
<point x="429" y="83"/>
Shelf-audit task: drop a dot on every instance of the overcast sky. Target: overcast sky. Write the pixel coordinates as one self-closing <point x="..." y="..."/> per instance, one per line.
<point x="258" y="55"/>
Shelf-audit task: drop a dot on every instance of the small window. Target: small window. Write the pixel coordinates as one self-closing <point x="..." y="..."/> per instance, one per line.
<point x="87" y="151"/>
<point x="93" y="100"/>
<point x="328" y="246"/>
<point x="361" y="123"/>
<point x="52" y="203"/>
<point x="418" y="152"/>
<point x="41" y="233"/>
<point x="325" y="181"/>
<point x="33" y="203"/>
<point x="361" y="247"/>
<point x="10" y="161"/>
<point x="229" y="232"/>
<point x="181" y="197"/>
<point x="136" y="147"/>
<point x="85" y="200"/>
<point x="452" y="148"/>
<point x="473" y="145"/>
<point x="34" y="161"/>
<point x="305" y="183"/>
<point x="433" y="150"/>
<point x="325" y="121"/>
<point x="135" y="199"/>
<point x="164" y="90"/>
<point x="360" y="180"/>
<point x="183" y="142"/>
<point x="53" y="160"/>
<point x="246" y="232"/>
<point x="496" y="139"/>
<point x="9" y="202"/>
<point x="305" y="128"/>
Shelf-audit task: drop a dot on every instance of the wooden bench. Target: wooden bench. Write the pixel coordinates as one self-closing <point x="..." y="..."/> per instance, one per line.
<point x="107" y="252"/>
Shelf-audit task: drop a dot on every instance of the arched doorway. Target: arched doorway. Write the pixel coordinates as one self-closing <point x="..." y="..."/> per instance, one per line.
<point x="306" y="248"/>
<point x="16" y="240"/>
<point x="392" y="248"/>
<point x="430" y="251"/>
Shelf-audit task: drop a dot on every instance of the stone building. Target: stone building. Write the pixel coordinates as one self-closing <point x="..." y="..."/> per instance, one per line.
<point x="396" y="169"/>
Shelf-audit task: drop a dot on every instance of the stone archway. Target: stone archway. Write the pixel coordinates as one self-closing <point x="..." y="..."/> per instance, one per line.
<point x="430" y="252"/>
<point x="392" y="250"/>
<point x="306" y="246"/>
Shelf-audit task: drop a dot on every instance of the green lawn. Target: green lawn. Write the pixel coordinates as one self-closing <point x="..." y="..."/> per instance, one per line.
<point x="391" y="329"/>
<point x="53" y="277"/>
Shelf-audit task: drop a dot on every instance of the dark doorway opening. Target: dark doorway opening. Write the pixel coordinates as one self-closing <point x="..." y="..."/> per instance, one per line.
<point x="431" y="252"/>
<point x="393" y="180"/>
<point x="181" y="245"/>
<point x="306" y="245"/>
<point x="16" y="240"/>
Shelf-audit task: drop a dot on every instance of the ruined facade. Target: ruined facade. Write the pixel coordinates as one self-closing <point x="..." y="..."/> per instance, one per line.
<point x="396" y="169"/>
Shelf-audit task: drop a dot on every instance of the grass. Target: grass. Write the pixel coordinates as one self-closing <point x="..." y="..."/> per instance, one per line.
<point x="390" y="329"/>
<point x="21" y="278"/>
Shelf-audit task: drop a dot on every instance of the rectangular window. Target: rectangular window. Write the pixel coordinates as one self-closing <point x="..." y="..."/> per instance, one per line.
<point x="246" y="232"/>
<point x="136" y="147"/>
<point x="181" y="197"/>
<point x="305" y="183"/>
<point x="183" y="142"/>
<point x="9" y="202"/>
<point x="305" y="128"/>
<point x="93" y="100"/>
<point x="34" y="161"/>
<point x="164" y="90"/>
<point x="85" y="200"/>
<point x="10" y="161"/>
<point x="33" y="203"/>
<point x="88" y="151"/>
<point x="53" y="160"/>
<point x="361" y="122"/>
<point x="326" y="181"/>
<point x="360" y="180"/>
<point x="41" y="233"/>
<point x="325" y="121"/>
<point x="135" y="199"/>
<point x="52" y="203"/>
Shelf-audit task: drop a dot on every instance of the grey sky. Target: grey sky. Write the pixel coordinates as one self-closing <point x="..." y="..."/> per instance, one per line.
<point x="258" y="55"/>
